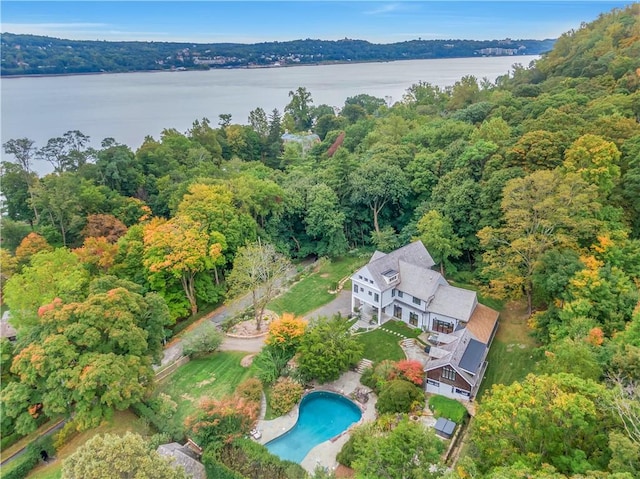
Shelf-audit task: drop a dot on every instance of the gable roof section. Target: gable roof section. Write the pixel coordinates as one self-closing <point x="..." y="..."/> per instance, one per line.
<point x="418" y="281"/>
<point x="483" y="322"/>
<point x="183" y="456"/>
<point x="454" y="302"/>
<point x="472" y="357"/>
<point x="414" y="254"/>
<point x="467" y="367"/>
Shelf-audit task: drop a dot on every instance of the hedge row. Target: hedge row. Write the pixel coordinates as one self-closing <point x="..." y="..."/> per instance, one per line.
<point x="20" y="467"/>
<point x="215" y="468"/>
<point x="159" y="422"/>
<point x="254" y="461"/>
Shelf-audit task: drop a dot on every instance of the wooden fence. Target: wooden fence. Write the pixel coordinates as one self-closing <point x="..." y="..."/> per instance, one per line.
<point x="163" y="373"/>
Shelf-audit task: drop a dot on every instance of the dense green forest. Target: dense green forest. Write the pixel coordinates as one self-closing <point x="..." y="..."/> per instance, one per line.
<point x="530" y="185"/>
<point x="36" y="55"/>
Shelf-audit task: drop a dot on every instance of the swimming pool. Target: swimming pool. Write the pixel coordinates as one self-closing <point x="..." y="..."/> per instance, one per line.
<point x="322" y="415"/>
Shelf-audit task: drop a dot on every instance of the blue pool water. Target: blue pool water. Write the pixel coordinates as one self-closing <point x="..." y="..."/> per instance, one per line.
<point x="323" y="415"/>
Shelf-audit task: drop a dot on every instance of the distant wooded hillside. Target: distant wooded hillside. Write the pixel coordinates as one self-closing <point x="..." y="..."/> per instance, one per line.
<point x="37" y="55"/>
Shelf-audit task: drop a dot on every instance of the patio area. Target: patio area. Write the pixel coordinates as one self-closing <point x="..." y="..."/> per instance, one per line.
<point x="324" y="454"/>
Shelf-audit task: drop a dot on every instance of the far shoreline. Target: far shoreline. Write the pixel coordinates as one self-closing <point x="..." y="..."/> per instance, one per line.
<point x="254" y="67"/>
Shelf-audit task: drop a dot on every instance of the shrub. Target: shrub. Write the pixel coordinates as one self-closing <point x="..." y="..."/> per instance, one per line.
<point x="399" y="396"/>
<point x="284" y="395"/>
<point x="285" y="332"/>
<point x="254" y="461"/>
<point x="161" y="423"/>
<point x="21" y="466"/>
<point x="411" y="370"/>
<point x="204" y="339"/>
<point x="448" y="408"/>
<point x="222" y="419"/>
<point x="164" y="406"/>
<point x="368" y="378"/>
<point x="8" y="440"/>
<point x="69" y="430"/>
<point x="250" y="389"/>
<point x="271" y="363"/>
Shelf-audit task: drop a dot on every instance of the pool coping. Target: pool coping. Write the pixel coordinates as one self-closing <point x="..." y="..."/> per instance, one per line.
<point x="293" y="415"/>
<point x="327" y="450"/>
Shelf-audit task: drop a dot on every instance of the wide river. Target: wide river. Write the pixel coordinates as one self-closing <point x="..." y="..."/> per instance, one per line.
<point x="129" y="106"/>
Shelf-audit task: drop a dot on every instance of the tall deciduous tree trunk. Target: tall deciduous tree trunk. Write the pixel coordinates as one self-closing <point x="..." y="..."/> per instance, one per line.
<point x="375" y="219"/>
<point x="188" y="285"/>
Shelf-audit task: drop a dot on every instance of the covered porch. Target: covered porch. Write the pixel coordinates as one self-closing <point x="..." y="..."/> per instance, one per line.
<point x="373" y="315"/>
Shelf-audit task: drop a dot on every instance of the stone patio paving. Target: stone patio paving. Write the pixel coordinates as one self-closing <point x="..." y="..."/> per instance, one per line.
<point x="323" y="454"/>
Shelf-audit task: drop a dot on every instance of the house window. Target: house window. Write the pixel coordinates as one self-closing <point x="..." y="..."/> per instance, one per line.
<point x="413" y="319"/>
<point x="463" y="392"/>
<point x="449" y="373"/>
<point x="376" y="297"/>
<point x="393" y="293"/>
<point x="360" y="276"/>
<point x="370" y="293"/>
<point x="442" y="326"/>
<point x="400" y="294"/>
<point x="355" y="288"/>
<point x="432" y="382"/>
<point x="416" y="300"/>
<point x="397" y="311"/>
<point x="361" y="289"/>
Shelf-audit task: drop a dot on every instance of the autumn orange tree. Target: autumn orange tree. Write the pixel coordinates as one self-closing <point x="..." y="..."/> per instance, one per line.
<point x="180" y="249"/>
<point x="103" y="225"/>
<point x="90" y="357"/>
<point x="222" y="420"/>
<point x="285" y="332"/>
<point x="98" y="253"/>
<point x="31" y="244"/>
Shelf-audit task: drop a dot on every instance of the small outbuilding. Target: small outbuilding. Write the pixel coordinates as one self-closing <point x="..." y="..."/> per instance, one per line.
<point x="6" y="330"/>
<point x="184" y="456"/>
<point x="445" y="428"/>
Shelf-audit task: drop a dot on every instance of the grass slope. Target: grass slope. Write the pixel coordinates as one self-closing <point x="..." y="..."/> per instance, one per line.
<point x="121" y="422"/>
<point x="513" y="353"/>
<point x="213" y="376"/>
<point x="380" y="345"/>
<point x="312" y="291"/>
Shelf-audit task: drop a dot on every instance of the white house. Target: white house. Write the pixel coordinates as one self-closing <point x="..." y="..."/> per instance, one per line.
<point x="402" y="285"/>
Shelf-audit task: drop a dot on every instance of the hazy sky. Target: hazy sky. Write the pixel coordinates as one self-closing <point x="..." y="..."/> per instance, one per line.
<point x="256" y="21"/>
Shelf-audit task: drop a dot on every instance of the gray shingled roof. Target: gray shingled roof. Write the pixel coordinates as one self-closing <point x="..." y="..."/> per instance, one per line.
<point x="453" y="302"/>
<point x="457" y="351"/>
<point x="183" y="456"/>
<point x="419" y="281"/>
<point x="413" y="254"/>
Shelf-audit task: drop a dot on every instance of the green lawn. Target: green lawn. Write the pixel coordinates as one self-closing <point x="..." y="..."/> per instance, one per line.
<point x="312" y="291"/>
<point x="448" y="408"/>
<point x="380" y="345"/>
<point x="513" y="353"/>
<point x="402" y="328"/>
<point x="213" y="376"/>
<point x="121" y="422"/>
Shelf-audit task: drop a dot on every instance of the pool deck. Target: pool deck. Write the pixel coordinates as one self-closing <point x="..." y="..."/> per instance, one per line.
<point x="324" y="454"/>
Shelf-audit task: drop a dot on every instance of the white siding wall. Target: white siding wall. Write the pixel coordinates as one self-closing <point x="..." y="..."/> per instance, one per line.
<point x="363" y="292"/>
<point x="446" y="390"/>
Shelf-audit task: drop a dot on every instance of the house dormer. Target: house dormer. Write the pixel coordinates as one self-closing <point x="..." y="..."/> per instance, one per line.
<point x="390" y="276"/>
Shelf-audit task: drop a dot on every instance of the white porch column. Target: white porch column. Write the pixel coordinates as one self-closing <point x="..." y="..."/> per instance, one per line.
<point x="379" y="315"/>
<point x="353" y="302"/>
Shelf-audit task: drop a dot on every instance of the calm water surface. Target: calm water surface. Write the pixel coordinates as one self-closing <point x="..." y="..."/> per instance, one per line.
<point x="322" y="416"/>
<point x="129" y="106"/>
